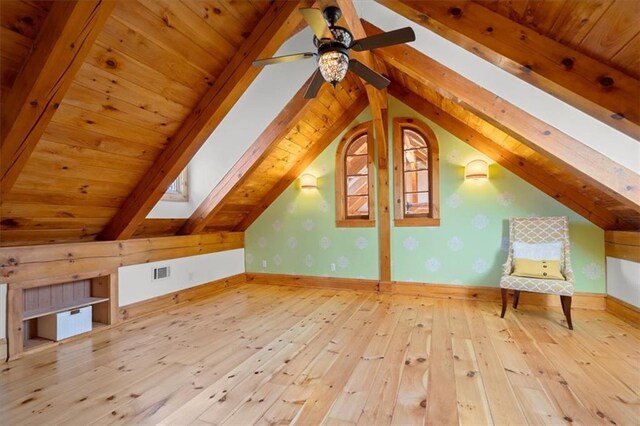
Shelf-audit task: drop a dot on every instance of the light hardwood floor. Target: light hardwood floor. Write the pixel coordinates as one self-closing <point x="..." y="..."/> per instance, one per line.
<point x="273" y="354"/>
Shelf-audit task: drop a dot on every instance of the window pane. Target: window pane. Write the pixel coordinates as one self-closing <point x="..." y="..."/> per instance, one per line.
<point x="357" y="185"/>
<point x="416" y="159"/>
<point x="417" y="203"/>
<point x="412" y="139"/>
<point x="358" y="206"/>
<point x="357" y="165"/>
<point x="416" y="181"/>
<point x="358" y="146"/>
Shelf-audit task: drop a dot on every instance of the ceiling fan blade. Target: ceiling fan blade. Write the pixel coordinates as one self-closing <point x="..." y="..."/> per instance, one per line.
<point x="403" y="35"/>
<point x="316" y="21"/>
<point x="377" y="80"/>
<point x="314" y="86"/>
<point x="281" y="59"/>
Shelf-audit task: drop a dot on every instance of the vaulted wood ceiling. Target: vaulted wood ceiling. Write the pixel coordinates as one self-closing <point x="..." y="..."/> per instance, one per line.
<point x="137" y="89"/>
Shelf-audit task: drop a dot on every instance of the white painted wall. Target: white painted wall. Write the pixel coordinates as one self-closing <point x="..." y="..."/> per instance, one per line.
<point x="3" y="311"/>
<point x="135" y="282"/>
<point x="257" y="107"/>
<point x="623" y="280"/>
<point x="604" y="139"/>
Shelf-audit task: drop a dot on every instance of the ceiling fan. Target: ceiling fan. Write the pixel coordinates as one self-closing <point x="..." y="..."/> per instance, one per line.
<point x="333" y="44"/>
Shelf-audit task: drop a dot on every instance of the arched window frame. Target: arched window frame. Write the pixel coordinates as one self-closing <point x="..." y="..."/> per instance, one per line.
<point x="401" y="218"/>
<point x="342" y="220"/>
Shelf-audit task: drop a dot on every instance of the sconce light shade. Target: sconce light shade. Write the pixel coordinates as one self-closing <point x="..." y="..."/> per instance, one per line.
<point x="477" y="170"/>
<point x="308" y="181"/>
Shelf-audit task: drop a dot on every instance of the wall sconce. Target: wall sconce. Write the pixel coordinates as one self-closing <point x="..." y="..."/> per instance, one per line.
<point x="477" y="170"/>
<point x="308" y="181"/>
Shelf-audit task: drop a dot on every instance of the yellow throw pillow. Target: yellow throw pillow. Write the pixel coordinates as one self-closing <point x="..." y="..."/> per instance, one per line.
<point x="546" y="269"/>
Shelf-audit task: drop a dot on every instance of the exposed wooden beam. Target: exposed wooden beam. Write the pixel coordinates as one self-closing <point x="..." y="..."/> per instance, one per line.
<point x="338" y="127"/>
<point x="622" y="245"/>
<point x="60" y="49"/>
<point x="595" y="88"/>
<point x="605" y="174"/>
<point x="267" y="36"/>
<point x="511" y="161"/>
<point x="286" y="120"/>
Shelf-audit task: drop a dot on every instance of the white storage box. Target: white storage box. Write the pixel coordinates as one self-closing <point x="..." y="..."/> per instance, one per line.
<point x="65" y="324"/>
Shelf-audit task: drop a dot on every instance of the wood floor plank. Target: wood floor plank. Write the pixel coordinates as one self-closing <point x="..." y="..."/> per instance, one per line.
<point x="348" y="405"/>
<point x="260" y="354"/>
<point x="384" y="389"/>
<point x="502" y="401"/>
<point x="411" y="403"/>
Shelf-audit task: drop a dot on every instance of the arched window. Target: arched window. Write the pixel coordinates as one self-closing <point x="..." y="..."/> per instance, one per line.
<point x="416" y="180"/>
<point x="354" y="178"/>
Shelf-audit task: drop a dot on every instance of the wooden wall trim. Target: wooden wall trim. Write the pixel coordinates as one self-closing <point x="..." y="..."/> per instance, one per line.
<point x="64" y="41"/>
<point x="165" y="301"/>
<point x="566" y="73"/>
<point x="603" y="173"/>
<point x="623" y="310"/>
<point x="490" y="294"/>
<point x="312" y="281"/>
<point x="441" y="291"/>
<point x="266" y="37"/>
<point x="622" y="245"/>
<point x="30" y="266"/>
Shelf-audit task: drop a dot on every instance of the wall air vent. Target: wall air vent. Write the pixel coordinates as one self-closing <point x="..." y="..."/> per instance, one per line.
<point x="161" y="273"/>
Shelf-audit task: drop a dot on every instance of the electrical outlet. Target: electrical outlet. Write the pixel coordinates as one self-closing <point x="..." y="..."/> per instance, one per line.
<point x="333" y="267"/>
<point x="264" y="263"/>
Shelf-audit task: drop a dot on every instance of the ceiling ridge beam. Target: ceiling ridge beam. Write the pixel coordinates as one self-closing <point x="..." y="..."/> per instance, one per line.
<point x="266" y="142"/>
<point x="605" y="174"/>
<point x="587" y="84"/>
<point x="512" y="161"/>
<point x="265" y="39"/>
<point x="325" y="140"/>
<point x="65" y="39"/>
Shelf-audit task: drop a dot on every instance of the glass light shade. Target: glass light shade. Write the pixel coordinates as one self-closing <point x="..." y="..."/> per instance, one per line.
<point x="308" y="181"/>
<point x="477" y="170"/>
<point x="333" y="66"/>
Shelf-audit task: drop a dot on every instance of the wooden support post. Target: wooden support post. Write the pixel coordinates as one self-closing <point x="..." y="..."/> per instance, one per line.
<point x="384" y="218"/>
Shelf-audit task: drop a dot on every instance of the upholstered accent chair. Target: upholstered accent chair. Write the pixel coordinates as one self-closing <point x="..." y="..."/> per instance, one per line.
<point x="538" y="230"/>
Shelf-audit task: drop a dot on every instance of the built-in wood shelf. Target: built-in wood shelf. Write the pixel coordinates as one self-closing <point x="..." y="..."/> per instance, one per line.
<point x="79" y="303"/>
<point x="40" y="342"/>
<point x="34" y="300"/>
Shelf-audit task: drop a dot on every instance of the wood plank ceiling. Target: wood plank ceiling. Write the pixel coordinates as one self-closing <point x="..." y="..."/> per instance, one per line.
<point x="606" y="30"/>
<point x="150" y="66"/>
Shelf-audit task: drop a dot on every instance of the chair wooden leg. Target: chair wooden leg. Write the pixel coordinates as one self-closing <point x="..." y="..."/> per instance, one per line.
<point x="516" y="299"/>
<point x="566" y="308"/>
<point x="503" y="291"/>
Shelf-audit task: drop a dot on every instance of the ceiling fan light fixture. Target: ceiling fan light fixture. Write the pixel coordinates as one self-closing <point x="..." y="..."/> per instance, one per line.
<point x="333" y="66"/>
